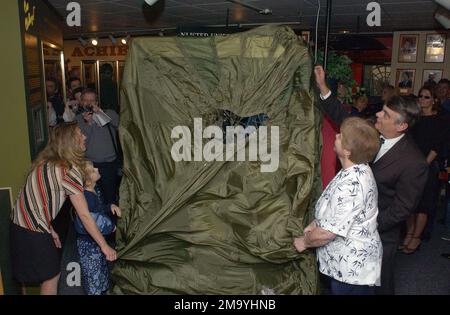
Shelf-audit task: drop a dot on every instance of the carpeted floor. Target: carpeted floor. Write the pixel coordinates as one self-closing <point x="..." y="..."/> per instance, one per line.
<point x="425" y="272"/>
<point x="422" y="273"/>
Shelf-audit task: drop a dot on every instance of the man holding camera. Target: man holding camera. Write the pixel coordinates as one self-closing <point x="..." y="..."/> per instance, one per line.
<point x="100" y="128"/>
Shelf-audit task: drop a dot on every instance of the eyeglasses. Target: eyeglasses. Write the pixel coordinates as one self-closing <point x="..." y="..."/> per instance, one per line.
<point x="425" y="97"/>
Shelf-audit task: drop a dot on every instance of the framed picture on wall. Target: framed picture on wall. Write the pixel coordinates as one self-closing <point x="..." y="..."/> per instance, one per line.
<point x="435" y="48"/>
<point x="405" y="81"/>
<point x="431" y="77"/>
<point x="407" y="51"/>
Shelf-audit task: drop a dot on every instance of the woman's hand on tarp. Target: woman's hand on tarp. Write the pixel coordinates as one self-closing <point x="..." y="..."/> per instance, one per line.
<point x="299" y="244"/>
<point x="310" y="227"/>
<point x="110" y="253"/>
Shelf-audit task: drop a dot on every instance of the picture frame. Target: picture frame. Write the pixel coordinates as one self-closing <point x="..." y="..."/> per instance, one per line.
<point x="90" y="74"/>
<point x="435" y="48"/>
<point x="53" y="64"/>
<point x="39" y="125"/>
<point x="405" y="80"/>
<point x="432" y="75"/>
<point x="407" y="49"/>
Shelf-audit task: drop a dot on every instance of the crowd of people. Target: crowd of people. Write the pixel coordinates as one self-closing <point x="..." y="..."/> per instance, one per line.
<point x="414" y="138"/>
<point x="81" y="162"/>
<point x="390" y="156"/>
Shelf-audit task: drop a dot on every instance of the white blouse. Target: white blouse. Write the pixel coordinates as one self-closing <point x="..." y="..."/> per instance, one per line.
<point x="349" y="208"/>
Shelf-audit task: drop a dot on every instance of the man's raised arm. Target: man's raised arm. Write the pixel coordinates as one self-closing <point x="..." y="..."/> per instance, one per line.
<point x="329" y="103"/>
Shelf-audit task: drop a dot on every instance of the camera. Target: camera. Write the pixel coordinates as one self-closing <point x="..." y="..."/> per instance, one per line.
<point x="87" y="109"/>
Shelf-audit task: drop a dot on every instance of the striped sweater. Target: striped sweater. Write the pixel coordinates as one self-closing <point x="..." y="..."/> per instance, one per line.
<point x="43" y="195"/>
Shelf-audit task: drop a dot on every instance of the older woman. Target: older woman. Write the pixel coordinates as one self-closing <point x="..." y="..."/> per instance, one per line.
<point x="345" y="226"/>
<point x="57" y="172"/>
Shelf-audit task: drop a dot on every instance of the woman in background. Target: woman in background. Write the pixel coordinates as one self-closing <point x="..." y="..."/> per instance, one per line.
<point x="429" y="134"/>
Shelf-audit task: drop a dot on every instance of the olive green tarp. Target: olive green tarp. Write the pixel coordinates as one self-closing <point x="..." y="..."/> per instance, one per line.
<point x="220" y="227"/>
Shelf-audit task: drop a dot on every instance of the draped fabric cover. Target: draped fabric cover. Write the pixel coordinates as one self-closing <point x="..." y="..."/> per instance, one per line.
<point x="220" y="227"/>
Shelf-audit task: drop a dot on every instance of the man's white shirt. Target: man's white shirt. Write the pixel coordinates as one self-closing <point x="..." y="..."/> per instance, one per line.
<point x="326" y="96"/>
<point x="385" y="147"/>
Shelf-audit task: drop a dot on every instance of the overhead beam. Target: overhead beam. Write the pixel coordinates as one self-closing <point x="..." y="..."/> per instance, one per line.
<point x="327" y="33"/>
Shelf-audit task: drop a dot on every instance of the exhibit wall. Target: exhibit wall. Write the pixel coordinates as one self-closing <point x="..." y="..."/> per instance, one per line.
<point x="416" y="56"/>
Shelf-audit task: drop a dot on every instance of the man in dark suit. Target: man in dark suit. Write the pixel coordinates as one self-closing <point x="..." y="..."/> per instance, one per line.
<point x="399" y="168"/>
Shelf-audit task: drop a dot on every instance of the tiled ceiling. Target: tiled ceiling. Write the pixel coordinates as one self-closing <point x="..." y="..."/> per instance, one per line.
<point x="135" y="17"/>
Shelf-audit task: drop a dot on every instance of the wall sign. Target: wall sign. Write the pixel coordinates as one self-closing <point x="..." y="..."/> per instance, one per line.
<point x="30" y="11"/>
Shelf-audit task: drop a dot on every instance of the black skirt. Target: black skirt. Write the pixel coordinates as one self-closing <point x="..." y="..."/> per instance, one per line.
<point x="34" y="256"/>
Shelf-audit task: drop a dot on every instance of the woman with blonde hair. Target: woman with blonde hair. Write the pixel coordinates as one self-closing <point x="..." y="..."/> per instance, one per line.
<point x="57" y="173"/>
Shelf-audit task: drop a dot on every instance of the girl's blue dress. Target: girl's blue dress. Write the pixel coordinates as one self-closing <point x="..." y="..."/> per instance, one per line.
<point x="94" y="266"/>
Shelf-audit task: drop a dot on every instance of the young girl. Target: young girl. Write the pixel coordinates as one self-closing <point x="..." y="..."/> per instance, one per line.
<point x="94" y="267"/>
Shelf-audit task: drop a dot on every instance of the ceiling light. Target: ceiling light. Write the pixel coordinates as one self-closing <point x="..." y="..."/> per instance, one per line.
<point x="125" y="40"/>
<point x="94" y="41"/>
<point x="443" y="17"/>
<point x="113" y="40"/>
<point x="265" y="11"/>
<point x="444" y="3"/>
<point x="151" y="2"/>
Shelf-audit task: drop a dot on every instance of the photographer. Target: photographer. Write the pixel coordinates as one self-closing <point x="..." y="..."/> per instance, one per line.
<point x="72" y="107"/>
<point x="100" y="128"/>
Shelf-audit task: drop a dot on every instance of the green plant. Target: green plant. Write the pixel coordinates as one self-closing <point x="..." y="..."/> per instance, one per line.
<point x="338" y="68"/>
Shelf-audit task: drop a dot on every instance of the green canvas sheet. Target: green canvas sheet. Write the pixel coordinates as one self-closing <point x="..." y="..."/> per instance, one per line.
<point x="218" y="227"/>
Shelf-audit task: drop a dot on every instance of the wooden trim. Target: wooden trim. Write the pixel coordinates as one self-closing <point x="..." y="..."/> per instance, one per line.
<point x="2" y="291"/>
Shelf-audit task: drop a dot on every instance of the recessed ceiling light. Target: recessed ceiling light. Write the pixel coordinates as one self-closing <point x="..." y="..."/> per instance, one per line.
<point x="125" y="40"/>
